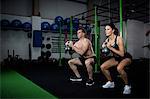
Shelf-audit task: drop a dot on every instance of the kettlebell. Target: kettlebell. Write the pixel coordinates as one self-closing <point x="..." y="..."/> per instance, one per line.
<point x="67" y="48"/>
<point x="105" y="51"/>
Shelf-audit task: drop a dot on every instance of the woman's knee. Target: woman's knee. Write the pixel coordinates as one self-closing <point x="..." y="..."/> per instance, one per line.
<point x="119" y="69"/>
<point x="103" y="67"/>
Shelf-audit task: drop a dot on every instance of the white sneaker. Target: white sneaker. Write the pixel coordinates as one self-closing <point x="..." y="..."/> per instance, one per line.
<point x="127" y="89"/>
<point x="109" y="84"/>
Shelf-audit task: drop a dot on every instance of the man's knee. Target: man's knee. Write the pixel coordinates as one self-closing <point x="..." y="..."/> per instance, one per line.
<point x="70" y="62"/>
<point x="87" y="63"/>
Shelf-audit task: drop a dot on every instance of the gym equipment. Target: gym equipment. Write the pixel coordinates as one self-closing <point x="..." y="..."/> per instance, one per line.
<point x="30" y="51"/>
<point x="48" y="53"/>
<point x="121" y="18"/>
<point x="97" y="38"/>
<point x="29" y="35"/>
<point x="37" y="38"/>
<point x="59" y="20"/>
<point x="67" y="28"/>
<point x="4" y="23"/>
<point x="48" y="46"/>
<point x="48" y="38"/>
<point x="43" y="53"/>
<point x="42" y="38"/>
<point x="27" y="26"/>
<point x="75" y="21"/>
<point x="16" y="23"/>
<point x="105" y="51"/>
<point x="64" y="27"/>
<point x="67" y="21"/>
<point x="87" y="28"/>
<point x="67" y="48"/>
<point x="45" y="26"/>
<point x="54" y="27"/>
<point x="43" y="45"/>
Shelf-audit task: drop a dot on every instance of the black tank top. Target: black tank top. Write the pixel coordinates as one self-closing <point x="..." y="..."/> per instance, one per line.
<point x="118" y="57"/>
<point x="115" y="44"/>
<point x="116" y="47"/>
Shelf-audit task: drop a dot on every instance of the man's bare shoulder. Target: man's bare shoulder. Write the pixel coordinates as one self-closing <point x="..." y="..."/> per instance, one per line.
<point x="86" y="40"/>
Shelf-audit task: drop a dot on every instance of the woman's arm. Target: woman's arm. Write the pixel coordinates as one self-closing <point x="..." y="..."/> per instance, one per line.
<point x="120" y="51"/>
<point x="104" y="43"/>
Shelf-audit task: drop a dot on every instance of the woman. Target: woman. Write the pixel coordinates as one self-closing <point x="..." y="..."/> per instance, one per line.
<point x="119" y="58"/>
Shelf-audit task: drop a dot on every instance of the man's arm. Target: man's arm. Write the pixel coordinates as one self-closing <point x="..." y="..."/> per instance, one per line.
<point x="81" y="50"/>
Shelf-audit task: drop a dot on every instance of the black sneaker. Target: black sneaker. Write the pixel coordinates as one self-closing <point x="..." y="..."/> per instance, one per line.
<point x="75" y="78"/>
<point x="89" y="82"/>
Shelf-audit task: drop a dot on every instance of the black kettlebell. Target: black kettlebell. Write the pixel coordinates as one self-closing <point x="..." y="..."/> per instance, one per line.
<point x="67" y="48"/>
<point x="105" y="51"/>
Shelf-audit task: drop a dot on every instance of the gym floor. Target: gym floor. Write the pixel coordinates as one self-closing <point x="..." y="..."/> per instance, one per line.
<point x="52" y="81"/>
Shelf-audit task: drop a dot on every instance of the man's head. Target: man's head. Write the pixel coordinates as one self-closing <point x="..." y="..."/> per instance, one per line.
<point x="81" y="33"/>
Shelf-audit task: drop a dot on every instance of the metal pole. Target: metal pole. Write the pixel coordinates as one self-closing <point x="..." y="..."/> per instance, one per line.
<point x="71" y="28"/>
<point x="97" y="39"/>
<point x="126" y="33"/>
<point x="121" y="21"/>
<point x="60" y="37"/>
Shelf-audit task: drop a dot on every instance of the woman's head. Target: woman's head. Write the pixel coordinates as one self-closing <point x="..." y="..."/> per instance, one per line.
<point x="110" y="29"/>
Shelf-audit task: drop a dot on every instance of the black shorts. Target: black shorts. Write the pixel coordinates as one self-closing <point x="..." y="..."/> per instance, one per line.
<point x="82" y="59"/>
<point x="126" y="55"/>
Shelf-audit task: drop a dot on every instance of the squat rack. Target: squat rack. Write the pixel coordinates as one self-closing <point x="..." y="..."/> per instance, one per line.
<point x="96" y="22"/>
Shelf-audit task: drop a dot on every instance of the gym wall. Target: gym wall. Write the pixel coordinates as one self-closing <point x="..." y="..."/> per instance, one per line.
<point x="22" y="10"/>
<point x="17" y="7"/>
<point x="16" y="40"/>
<point x="135" y="37"/>
<point x="52" y="8"/>
<point x="49" y="9"/>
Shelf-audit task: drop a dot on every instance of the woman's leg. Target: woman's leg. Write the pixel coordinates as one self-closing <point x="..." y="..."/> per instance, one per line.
<point x="120" y="69"/>
<point x="106" y="65"/>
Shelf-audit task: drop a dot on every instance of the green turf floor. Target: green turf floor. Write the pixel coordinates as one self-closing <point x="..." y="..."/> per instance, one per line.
<point x="13" y="85"/>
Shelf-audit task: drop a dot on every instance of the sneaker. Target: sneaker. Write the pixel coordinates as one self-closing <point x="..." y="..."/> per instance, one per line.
<point x="109" y="84"/>
<point x="127" y="89"/>
<point x="89" y="82"/>
<point x="75" y="78"/>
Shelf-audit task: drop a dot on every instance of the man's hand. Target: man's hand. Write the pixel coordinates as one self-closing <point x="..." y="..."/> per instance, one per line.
<point x="70" y="44"/>
<point x="67" y="43"/>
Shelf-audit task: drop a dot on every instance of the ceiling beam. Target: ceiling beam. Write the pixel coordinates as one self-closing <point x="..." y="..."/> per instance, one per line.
<point x="77" y="1"/>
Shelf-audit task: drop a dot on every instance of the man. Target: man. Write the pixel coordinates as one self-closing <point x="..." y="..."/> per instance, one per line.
<point x="87" y="57"/>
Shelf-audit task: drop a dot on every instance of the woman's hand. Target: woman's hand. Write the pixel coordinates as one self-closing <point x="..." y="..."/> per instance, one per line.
<point x="109" y="45"/>
<point x="104" y="44"/>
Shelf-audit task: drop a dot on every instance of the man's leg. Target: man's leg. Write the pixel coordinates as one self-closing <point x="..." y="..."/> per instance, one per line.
<point x="89" y="62"/>
<point x="72" y="63"/>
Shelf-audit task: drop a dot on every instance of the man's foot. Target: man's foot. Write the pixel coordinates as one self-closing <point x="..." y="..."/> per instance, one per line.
<point x="89" y="82"/>
<point x="109" y="84"/>
<point x="75" y="78"/>
<point x="127" y="89"/>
